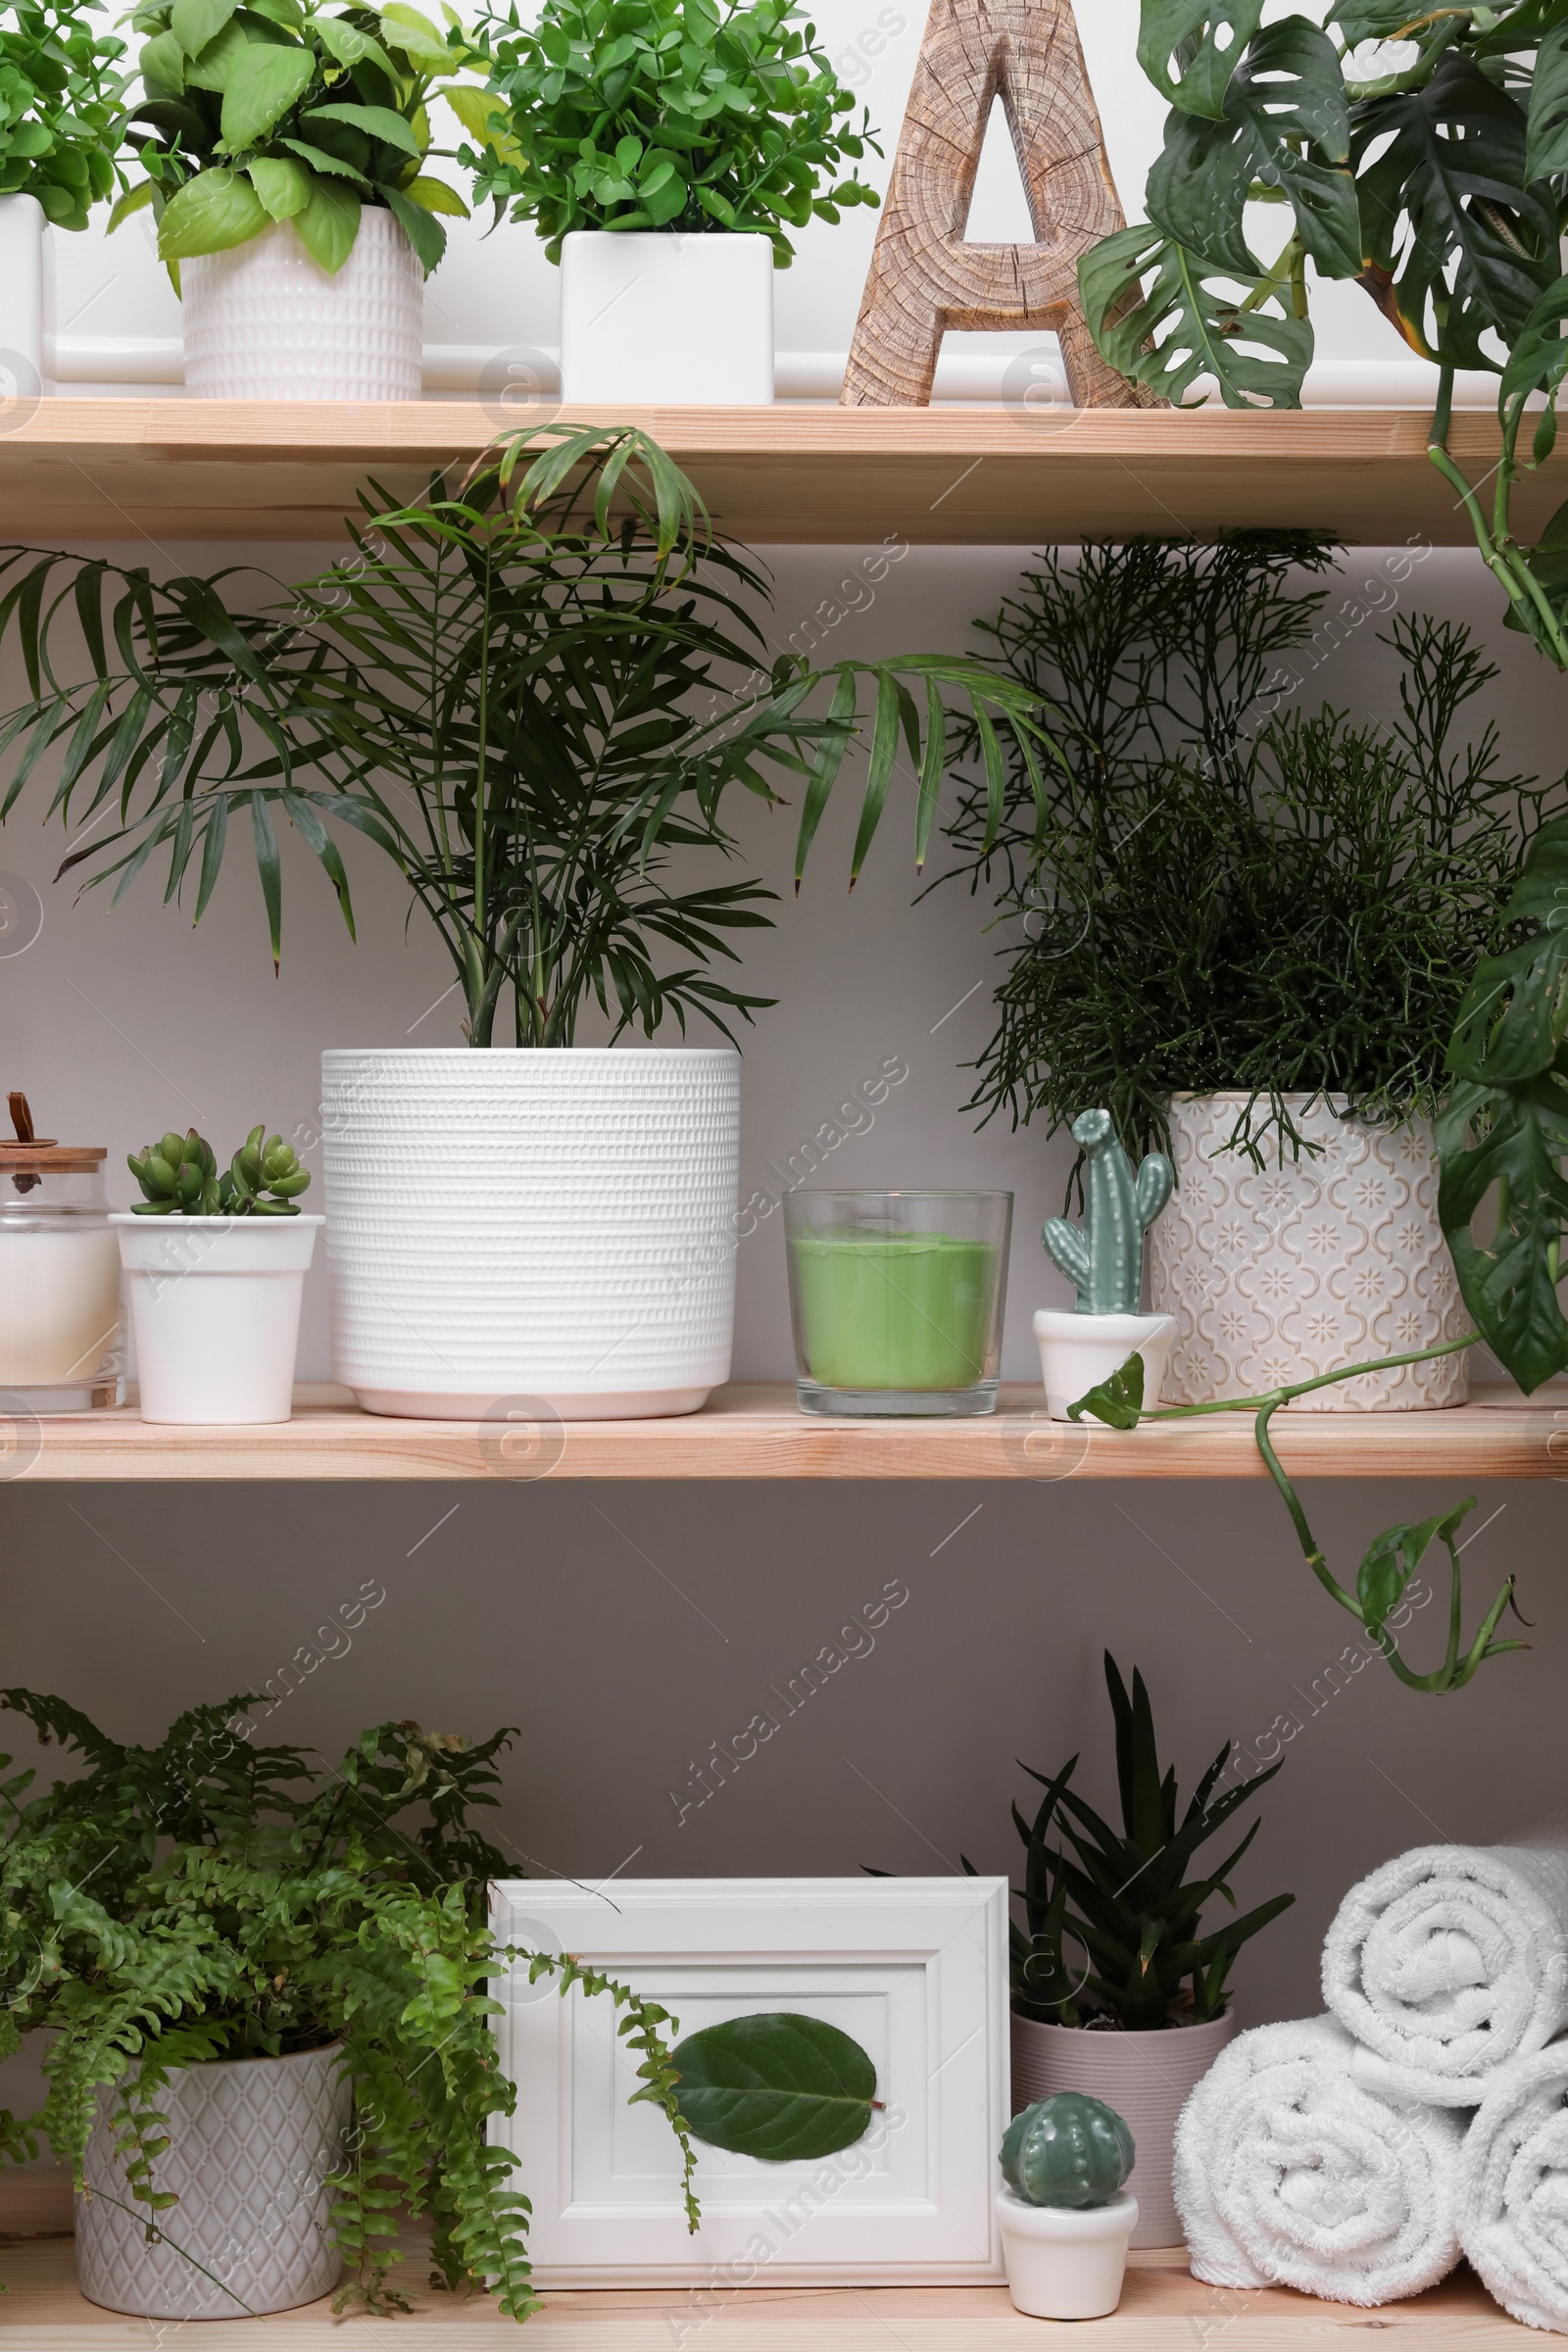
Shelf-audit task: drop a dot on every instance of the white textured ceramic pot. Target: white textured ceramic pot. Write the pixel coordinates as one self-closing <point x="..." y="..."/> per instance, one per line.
<point x="666" y="320"/>
<point x="552" y="1226"/>
<point x="1061" y="2264"/>
<point x="251" y="2142"/>
<point x="215" y="1309"/>
<point x="21" y="226"/>
<point x="1078" y="1352"/>
<point x="1277" y="1273"/>
<point x="265" y="321"/>
<point x="1148" y="2077"/>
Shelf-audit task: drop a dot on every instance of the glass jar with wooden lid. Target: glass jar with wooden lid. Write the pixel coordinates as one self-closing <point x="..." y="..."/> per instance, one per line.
<point x="59" y="1273"/>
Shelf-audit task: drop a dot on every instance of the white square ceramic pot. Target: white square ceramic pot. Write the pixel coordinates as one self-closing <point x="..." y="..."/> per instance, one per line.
<point x="21" y="226"/>
<point x="662" y="321"/>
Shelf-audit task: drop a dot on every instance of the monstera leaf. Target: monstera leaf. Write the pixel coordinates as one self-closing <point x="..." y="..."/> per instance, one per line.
<point x="783" y="2088"/>
<point x="1201" y="40"/>
<point x="1395" y="1555"/>
<point x="1118" y="1401"/>
<point x="1289" y="89"/>
<point x="1181" y="326"/>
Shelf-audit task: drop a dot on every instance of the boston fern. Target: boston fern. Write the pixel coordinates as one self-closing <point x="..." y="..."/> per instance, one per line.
<point x="211" y="1898"/>
<point x="524" y="702"/>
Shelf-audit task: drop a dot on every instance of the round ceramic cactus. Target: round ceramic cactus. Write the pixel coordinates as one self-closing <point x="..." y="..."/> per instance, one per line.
<point x="1068" y="2150"/>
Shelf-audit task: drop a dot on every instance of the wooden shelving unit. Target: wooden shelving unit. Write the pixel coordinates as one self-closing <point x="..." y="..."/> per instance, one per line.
<point x="758" y="1433"/>
<point x="1163" y="2309"/>
<point x="160" y="470"/>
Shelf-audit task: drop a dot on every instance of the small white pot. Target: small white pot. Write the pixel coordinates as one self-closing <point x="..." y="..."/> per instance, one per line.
<point x="215" y="1307"/>
<point x="1278" y="1273"/>
<point x="265" y="321"/>
<point x="21" y="226"/>
<point x="667" y="321"/>
<point x="1147" y="2078"/>
<point x="1078" y="1352"/>
<point x="251" y="2142"/>
<point x="554" y="1227"/>
<point x="1064" y="2265"/>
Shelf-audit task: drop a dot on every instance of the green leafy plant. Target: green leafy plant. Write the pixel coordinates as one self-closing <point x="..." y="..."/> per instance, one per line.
<point x="1422" y="152"/>
<point x="776" y="2085"/>
<point x="678" y="115"/>
<point x="280" y="110"/>
<point x="179" y="1177"/>
<point x="525" y="705"/>
<point x="62" y="109"/>
<point x="1068" y="2151"/>
<point x="213" y="1898"/>
<point x="1225" y="892"/>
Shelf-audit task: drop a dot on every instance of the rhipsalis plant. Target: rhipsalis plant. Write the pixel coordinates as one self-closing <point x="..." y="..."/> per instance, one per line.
<point x="1422" y="152"/>
<point x="179" y="1177"/>
<point x="1105" y="1256"/>
<point x="527" y="704"/>
<point x="214" y="1897"/>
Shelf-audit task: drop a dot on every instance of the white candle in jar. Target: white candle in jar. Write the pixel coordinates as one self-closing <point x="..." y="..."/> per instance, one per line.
<point x="59" y="1300"/>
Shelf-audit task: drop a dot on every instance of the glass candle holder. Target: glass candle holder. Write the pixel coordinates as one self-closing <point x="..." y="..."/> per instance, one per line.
<point x="896" y="1299"/>
<point x="58" y="1279"/>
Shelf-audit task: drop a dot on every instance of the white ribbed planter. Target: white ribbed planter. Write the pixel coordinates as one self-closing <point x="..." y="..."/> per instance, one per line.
<point x="686" y="321"/>
<point x="1278" y="1273"/>
<point x="251" y="2144"/>
<point x="265" y="321"/>
<point x="22" y="228"/>
<point x="546" y="1226"/>
<point x="1148" y="2077"/>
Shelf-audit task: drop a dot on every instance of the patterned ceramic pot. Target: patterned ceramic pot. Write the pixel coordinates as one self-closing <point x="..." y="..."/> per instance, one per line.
<point x="1148" y="2077"/>
<point x="265" y="321"/>
<point x="1278" y="1273"/>
<point x="251" y="2144"/>
<point x="550" y="1228"/>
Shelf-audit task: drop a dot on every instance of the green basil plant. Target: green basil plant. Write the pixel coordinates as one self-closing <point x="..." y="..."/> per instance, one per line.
<point x="673" y="115"/>
<point x="279" y="109"/>
<point x="62" y="110"/>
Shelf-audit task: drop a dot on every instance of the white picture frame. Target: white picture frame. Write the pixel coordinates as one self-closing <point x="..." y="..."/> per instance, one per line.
<point x="915" y="1969"/>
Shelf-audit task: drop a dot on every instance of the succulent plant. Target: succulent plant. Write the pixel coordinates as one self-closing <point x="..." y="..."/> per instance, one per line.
<point x="1104" y="1258"/>
<point x="1068" y="2150"/>
<point x="178" y="1175"/>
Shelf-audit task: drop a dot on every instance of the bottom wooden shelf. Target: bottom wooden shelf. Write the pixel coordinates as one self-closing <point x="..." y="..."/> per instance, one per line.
<point x="1162" y="2306"/>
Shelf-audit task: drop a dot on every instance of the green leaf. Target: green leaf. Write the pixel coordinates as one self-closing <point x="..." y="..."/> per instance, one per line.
<point x="429" y="241"/>
<point x="195" y="22"/>
<point x="262" y="86"/>
<point x="329" y="224"/>
<point x="1546" y="148"/>
<point x="211" y="70"/>
<point x="1503" y="1148"/>
<point x="1117" y="1401"/>
<point x="284" y="188"/>
<point x="480" y="112"/>
<point x="782" y="2087"/>
<point x="1394" y="1557"/>
<point x="1192" y="329"/>
<point x="434" y="196"/>
<point x="133" y="200"/>
<point x="1513" y="1018"/>
<point x="211" y="212"/>
<point x="376" y="121"/>
<point x="319" y="160"/>
<point x="1179" y="48"/>
<point x="162" y="60"/>
<point x="416" y="39"/>
<point x="351" y="47"/>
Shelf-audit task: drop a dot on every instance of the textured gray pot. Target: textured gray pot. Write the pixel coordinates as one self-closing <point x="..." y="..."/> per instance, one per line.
<point x="250" y="2142"/>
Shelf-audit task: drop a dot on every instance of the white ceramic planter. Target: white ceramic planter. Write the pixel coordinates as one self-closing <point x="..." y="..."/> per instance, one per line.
<point x="1078" y="1352"/>
<point x="1064" y="2265"/>
<point x="215" y="1309"/>
<point x="666" y="320"/>
<point x="21" y="226"/>
<point x="251" y="2144"/>
<point x="265" y="321"/>
<point x="550" y="1226"/>
<point x="1148" y="2077"/>
<point x="1275" y="1274"/>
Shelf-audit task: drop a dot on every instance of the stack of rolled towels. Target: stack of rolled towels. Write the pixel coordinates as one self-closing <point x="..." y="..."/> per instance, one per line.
<point x="1357" y="2156"/>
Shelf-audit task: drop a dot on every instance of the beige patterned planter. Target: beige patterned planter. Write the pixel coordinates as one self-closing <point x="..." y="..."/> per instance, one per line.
<point x="1276" y="1274"/>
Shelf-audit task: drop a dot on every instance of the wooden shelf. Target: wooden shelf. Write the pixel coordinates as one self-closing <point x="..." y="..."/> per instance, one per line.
<point x="164" y="471"/>
<point x="759" y="1433"/>
<point x="1163" y="2309"/>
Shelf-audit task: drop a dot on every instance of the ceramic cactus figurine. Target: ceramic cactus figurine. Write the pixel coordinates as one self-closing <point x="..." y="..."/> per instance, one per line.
<point x="1105" y="1255"/>
<point x="1068" y="2150"/>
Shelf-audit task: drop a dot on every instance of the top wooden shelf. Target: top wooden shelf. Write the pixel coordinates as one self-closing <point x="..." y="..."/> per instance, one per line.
<point x="164" y="471"/>
<point x="759" y="1433"/>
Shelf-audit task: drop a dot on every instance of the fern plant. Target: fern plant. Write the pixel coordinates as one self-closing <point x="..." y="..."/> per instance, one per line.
<point x="213" y="1898"/>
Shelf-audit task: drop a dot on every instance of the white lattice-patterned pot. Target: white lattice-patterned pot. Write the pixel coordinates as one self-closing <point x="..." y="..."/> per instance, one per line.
<point x="1276" y="1274"/>
<point x="550" y="1226"/>
<point x="251" y="2142"/>
<point x="265" y="321"/>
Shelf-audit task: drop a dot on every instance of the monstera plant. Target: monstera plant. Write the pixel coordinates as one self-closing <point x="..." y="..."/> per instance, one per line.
<point x="1422" y="152"/>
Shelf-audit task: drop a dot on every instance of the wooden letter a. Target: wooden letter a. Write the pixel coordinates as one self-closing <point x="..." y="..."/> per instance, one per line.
<point x="923" y="277"/>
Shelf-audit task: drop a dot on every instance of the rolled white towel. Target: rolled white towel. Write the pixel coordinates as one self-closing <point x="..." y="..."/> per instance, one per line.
<point x="1513" y="2189"/>
<point x="1452" y="1961"/>
<point x="1289" y="2173"/>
